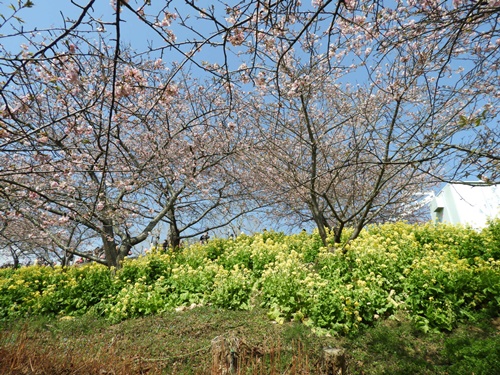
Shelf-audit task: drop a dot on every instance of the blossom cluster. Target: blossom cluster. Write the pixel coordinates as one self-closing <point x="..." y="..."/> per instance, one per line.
<point x="437" y="275"/>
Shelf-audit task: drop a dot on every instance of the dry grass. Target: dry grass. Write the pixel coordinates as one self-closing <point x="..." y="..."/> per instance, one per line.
<point x="209" y="341"/>
<point x="25" y="356"/>
<point x="169" y="344"/>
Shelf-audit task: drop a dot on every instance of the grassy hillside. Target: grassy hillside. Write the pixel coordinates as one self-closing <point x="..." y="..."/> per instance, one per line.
<point x="400" y="299"/>
<point x="180" y="343"/>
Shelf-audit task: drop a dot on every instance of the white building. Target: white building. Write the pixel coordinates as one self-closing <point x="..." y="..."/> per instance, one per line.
<point x="471" y="203"/>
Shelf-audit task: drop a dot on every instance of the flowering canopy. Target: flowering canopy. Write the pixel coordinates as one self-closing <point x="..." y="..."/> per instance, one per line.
<point x="369" y="97"/>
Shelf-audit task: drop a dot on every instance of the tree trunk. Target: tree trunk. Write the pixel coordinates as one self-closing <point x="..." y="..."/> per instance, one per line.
<point x="318" y="216"/>
<point x="337" y="231"/>
<point x="15" y="258"/>
<point x="109" y="245"/>
<point x="124" y="251"/>
<point x="174" y="234"/>
<point x="68" y="257"/>
<point x="333" y="362"/>
<point x="320" y="220"/>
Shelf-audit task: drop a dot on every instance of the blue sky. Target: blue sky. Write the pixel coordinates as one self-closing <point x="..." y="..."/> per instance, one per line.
<point x="49" y="13"/>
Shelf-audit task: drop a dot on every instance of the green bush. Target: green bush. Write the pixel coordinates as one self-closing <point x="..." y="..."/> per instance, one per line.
<point x="148" y="268"/>
<point x="188" y="285"/>
<point x="491" y="236"/>
<point x="288" y="286"/>
<point x="134" y="300"/>
<point x="232" y="289"/>
<point x="39" y="290"/>
<point x="440" y="275"/>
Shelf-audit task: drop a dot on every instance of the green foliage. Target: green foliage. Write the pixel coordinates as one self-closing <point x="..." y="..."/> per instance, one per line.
<point x="473" y="354"/>
<point x="492" y="240"/>
<point x="441" y="275"/>
<point x="236" y="254"/>
<point x="148" y="269"/>
<point x="134" y="300"/>
<point x="309" y="245"/>
<point x="232" y="289"/>
<point x="42" y="290"/>
<point x="77" y="289"/>
<point x="215" y="248"/>
<point x="465" y="241"/>
<point x="188" y="285"/>
<point x="288" y="286"/>
<point x="344" y="308"/>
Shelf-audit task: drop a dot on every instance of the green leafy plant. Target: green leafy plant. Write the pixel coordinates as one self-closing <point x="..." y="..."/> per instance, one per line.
<point x="440" y="275"/>
<point x="232" y="289"/>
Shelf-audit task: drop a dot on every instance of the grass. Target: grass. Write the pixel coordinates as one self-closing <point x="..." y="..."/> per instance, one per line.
<point x="181" y="343"/>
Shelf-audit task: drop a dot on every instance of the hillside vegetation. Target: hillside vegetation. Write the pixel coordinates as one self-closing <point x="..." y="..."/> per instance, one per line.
<point x="432" y="278"/>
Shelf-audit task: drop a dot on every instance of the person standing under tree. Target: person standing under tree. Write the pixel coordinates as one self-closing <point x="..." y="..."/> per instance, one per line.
<point x="204" y="237"/>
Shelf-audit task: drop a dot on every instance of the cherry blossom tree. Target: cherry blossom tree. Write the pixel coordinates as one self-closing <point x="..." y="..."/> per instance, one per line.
<point x="116" y="148"/>
<point x="355" y="102"/>
<point x="340" y="155"/>
<point x="457" y="40"/>
<point x="405" y="100"/>
<point x="23" y="238"/>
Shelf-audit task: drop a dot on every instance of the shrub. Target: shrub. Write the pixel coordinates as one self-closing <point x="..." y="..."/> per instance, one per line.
<point x="188" y="285"/>
<point x="491" y="236"/>
<point x="439" y="274"/>
<point x="134" y="300"/>
<point x="288" y="286"/>
<point x="148" y="268"/>
<point x="232" y="289"/>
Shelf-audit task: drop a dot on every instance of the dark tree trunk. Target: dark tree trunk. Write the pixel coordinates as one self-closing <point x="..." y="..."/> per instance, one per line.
<point x="109" y="245"/>
<point x="337" y="231"/>
<point x="320" y="221"/>
<point x="174" y="237"/>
